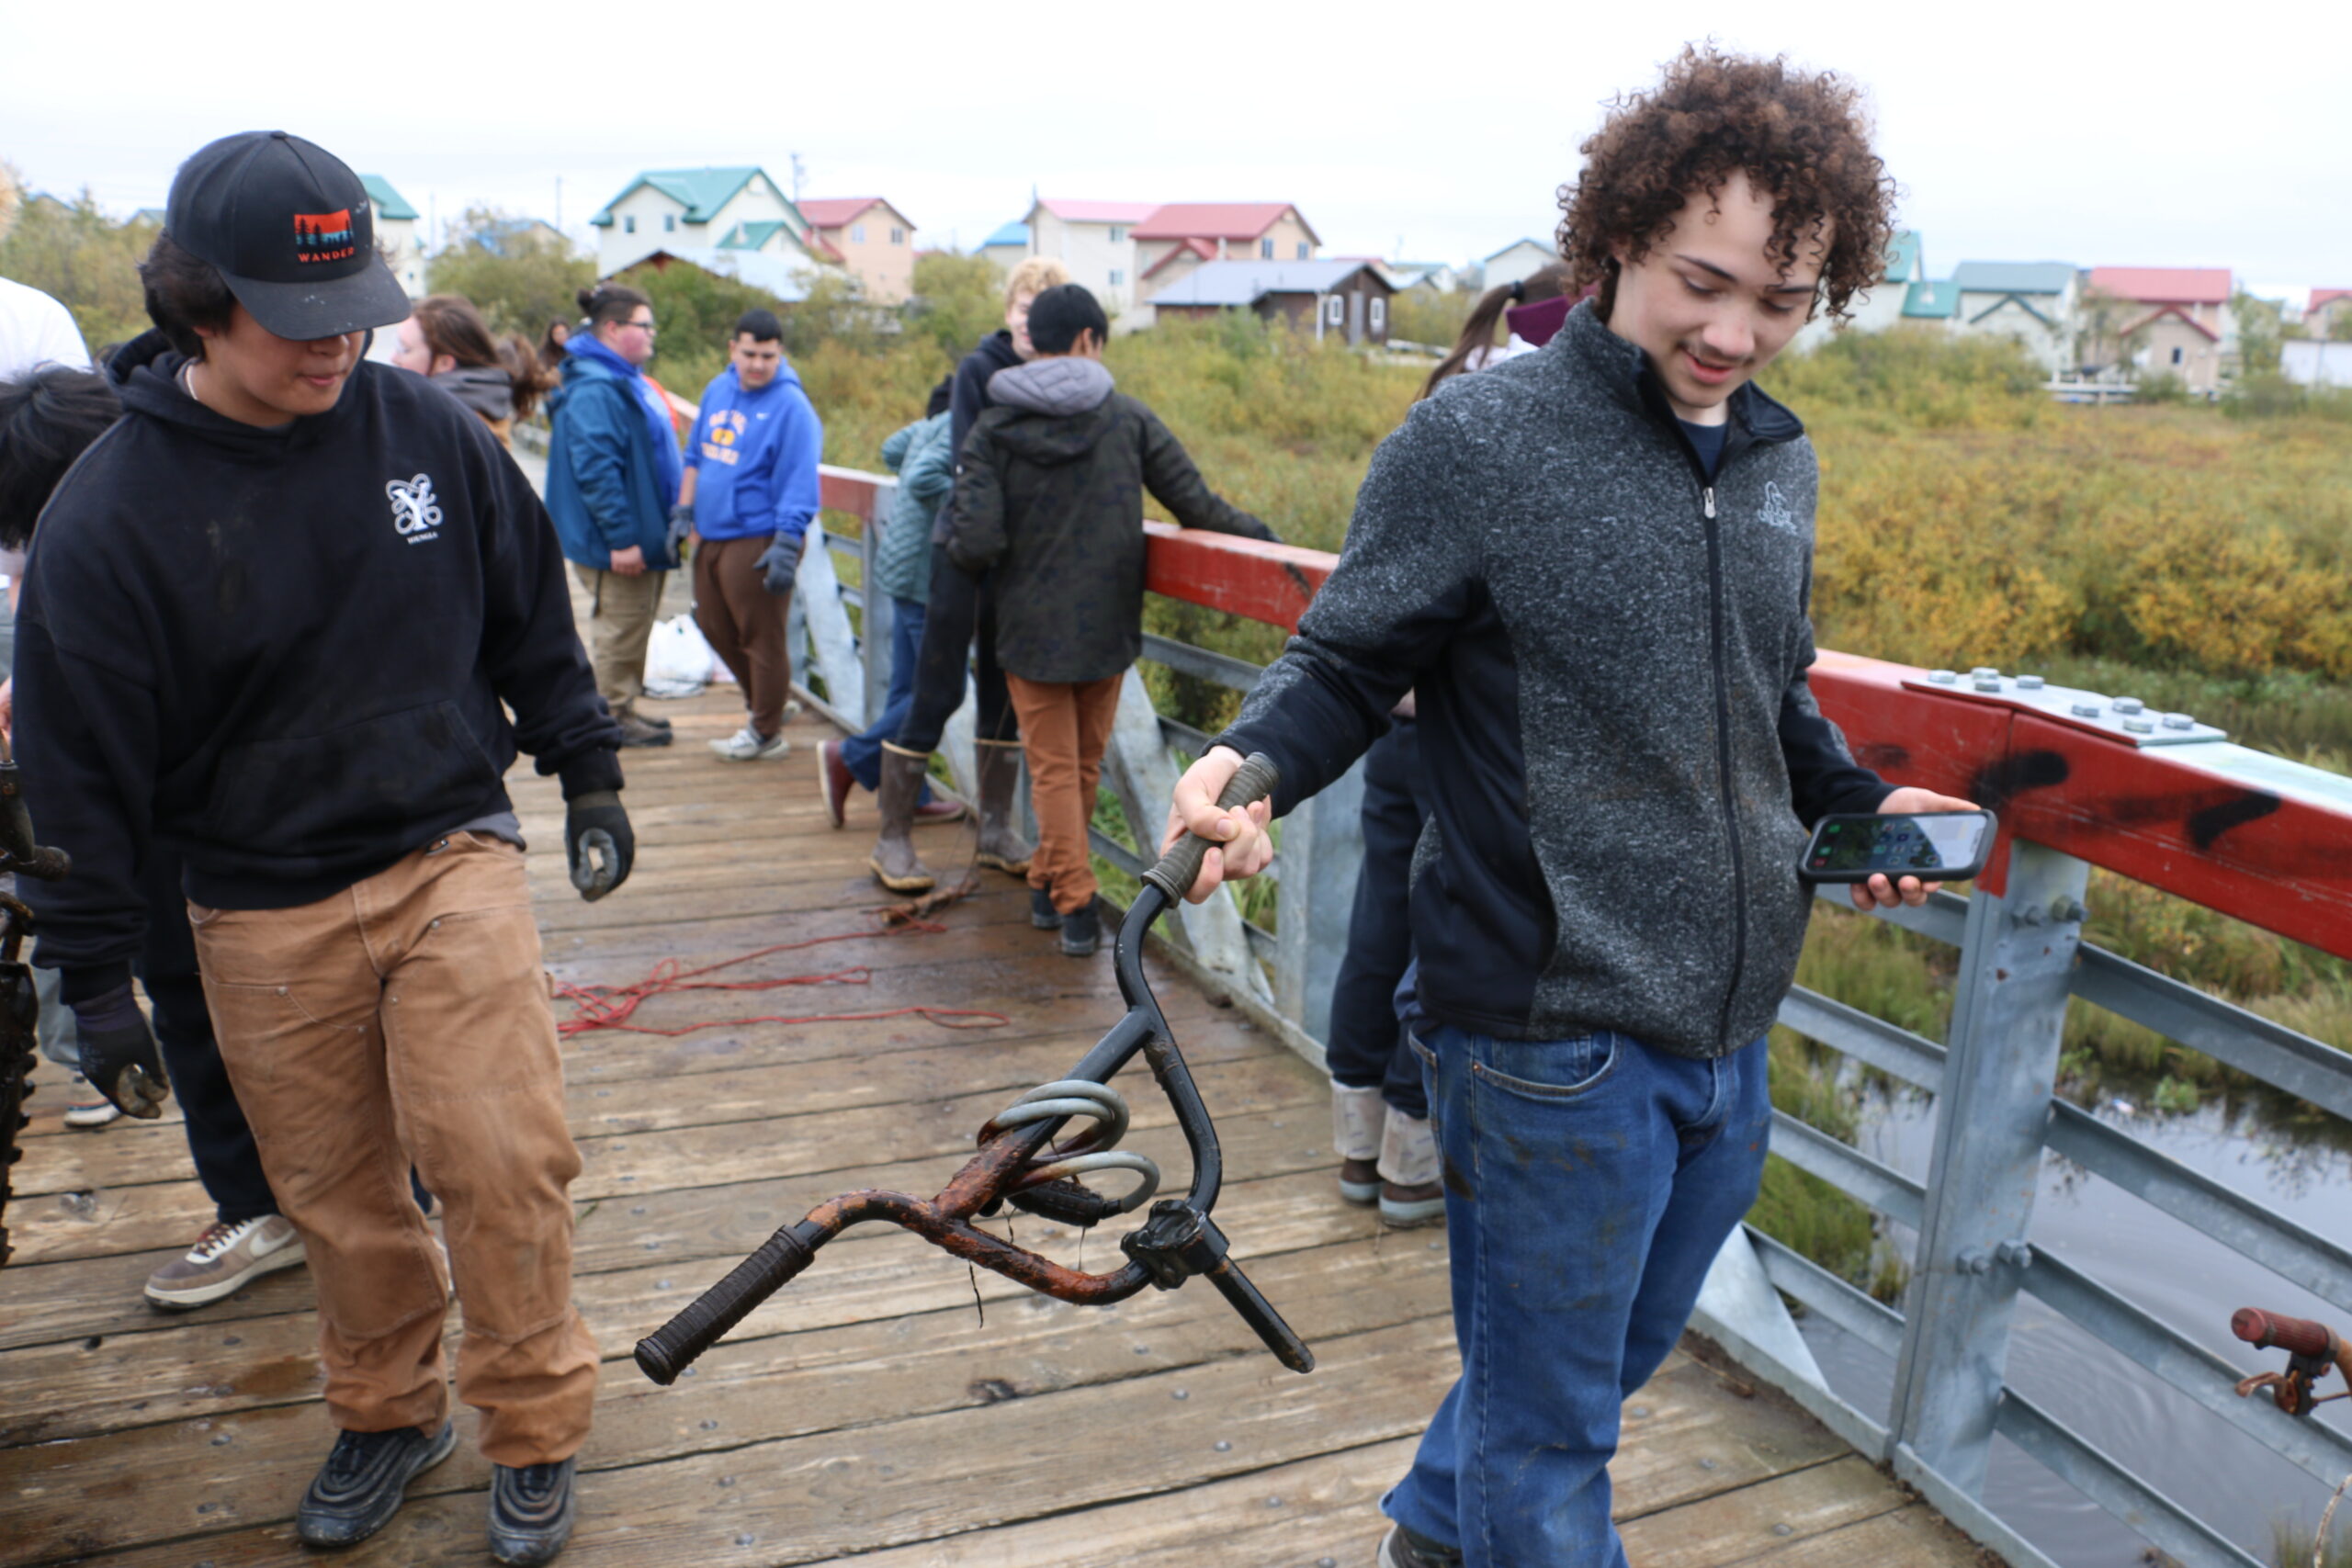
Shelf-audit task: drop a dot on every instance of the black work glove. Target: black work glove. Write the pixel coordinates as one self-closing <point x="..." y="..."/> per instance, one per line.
<point x="682" y="522"/>
<point x="779" y="564"/>
<point x="597" y="843"/>
<point x="119" y="1053"/>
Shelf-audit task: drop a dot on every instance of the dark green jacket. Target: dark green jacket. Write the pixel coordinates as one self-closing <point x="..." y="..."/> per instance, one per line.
<point x="1049" y="496"/>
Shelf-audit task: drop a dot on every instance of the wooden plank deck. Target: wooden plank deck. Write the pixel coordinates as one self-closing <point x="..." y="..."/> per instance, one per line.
<point x="870" y="1411"/>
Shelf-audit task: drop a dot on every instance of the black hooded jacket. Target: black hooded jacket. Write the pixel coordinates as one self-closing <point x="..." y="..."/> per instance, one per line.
<point x="284" y="651"/>
<point x="1049" y="492"/>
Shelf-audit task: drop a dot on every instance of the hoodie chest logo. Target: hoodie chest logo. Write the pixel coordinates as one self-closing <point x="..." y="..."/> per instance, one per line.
<point x="722" y="443"/>
<point x="417" y="516"/>
<point x="1776" y="512"/>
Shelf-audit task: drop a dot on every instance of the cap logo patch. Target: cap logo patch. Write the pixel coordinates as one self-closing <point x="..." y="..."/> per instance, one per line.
<point x="325" y="236"/>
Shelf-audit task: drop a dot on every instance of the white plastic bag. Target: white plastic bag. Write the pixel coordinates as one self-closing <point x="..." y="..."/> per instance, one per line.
<point x="678" y="661"/>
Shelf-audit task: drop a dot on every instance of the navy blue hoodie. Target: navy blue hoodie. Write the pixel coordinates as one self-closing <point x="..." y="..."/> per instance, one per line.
<point x="284" y="651"/>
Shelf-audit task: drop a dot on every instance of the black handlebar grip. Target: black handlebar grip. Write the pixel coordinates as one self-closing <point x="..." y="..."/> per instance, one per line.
<point x="46" y="863"/>
<point x="671" y="1348"/>
<point x="1181" y="866"/>
<point x="2297" y="1335"/>
<point x="1259" y="1315"/>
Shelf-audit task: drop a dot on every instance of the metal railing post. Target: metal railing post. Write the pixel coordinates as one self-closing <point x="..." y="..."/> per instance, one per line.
<point x="876" y="617"/>
<point x="2009" y="1011"/>
<point x="1321" y="855"/>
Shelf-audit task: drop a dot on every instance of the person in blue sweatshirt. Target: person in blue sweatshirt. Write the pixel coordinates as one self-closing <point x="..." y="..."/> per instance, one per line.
<point x="751" y="489"/>
<point x="613" y="474"/>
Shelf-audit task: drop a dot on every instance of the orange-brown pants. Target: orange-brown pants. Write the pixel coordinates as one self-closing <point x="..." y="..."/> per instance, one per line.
<point x="1065" y="728"/>
<point x="406" y="1019"/>
<point x="744" y="624"/>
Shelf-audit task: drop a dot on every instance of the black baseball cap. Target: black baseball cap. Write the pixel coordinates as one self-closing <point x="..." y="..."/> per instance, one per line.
<point x="290" y="227"/>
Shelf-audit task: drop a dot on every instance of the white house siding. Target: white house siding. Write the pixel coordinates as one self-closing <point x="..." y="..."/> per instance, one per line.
<point x="2052" y="346"/>
<point x="1092" y="256"/>
<point x="404" y="251"/>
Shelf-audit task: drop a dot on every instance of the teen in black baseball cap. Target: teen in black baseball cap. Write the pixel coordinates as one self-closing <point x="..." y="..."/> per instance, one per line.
<point x="289" y="227"/>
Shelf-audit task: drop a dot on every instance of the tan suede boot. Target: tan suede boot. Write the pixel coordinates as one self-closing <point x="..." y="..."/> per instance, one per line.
<point x="1002" y="846"/>
<point x="895" y="862"/>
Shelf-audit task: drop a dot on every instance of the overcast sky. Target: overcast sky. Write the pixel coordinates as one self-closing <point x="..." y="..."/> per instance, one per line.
<point x="2097" y="135"/>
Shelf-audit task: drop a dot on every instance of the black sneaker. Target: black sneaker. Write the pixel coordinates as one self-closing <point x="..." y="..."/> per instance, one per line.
<point x="530" y="1511"/>
<point x="359" y="1488"/>
<point x="1082" y="929"/>
<point x="1406" y="1549"/>
<point x="1042" y="913"/>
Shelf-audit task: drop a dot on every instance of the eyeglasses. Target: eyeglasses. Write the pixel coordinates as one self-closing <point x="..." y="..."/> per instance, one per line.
<point x="646" y="326"/>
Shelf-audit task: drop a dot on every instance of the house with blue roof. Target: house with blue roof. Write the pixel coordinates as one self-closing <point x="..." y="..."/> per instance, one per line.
<point x="1007" y="246"/>
<point x="2034" y="303"/>
<point x="737" y="208"/>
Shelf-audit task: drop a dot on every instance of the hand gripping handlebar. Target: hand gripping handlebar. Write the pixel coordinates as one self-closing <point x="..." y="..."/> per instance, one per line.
<point x="1021" y="1163"/>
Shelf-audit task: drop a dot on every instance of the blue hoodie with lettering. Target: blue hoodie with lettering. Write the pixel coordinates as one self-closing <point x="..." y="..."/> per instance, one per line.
<point x="756" y="453"/>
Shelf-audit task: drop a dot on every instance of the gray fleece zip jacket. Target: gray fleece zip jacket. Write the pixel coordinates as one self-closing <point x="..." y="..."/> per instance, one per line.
<point x="1609" y="651"/>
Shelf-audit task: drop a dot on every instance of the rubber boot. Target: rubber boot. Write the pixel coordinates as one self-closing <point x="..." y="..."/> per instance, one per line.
<point x="1358" y="1116"/>
<point x="895" y="862"/>
<point x="1002" y="846"/>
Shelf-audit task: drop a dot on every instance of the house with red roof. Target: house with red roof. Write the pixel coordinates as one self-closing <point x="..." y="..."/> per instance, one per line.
<point x="2160" y="321"/>
<point x="873" y="239"/>
<point x="2328" y="313"/>
<point x="1096" y="240"/>
<point x="1181" y="235"/>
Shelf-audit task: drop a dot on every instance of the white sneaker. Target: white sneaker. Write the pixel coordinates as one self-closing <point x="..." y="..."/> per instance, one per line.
<point x="90" y="1109"/>
<point x="746" y="745"/>
<point x="223" y="1259"/>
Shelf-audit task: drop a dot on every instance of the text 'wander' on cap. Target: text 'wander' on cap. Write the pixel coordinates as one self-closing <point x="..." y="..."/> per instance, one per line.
<point x="288" y="225"/>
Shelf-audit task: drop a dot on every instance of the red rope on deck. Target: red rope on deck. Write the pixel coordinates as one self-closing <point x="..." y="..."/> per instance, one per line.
<point x="612" y="1007"/>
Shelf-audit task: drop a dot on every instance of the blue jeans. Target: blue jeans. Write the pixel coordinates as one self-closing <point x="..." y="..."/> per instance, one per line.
<point x="1589" y="1184"/>
<point x="862" y="754"/>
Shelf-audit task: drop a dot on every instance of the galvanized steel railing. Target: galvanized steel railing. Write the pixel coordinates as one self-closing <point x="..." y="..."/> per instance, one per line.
<point x="2079" y="780"/>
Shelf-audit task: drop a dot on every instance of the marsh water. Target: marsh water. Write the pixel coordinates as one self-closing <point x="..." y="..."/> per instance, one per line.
<point x="2300" y="1167"/>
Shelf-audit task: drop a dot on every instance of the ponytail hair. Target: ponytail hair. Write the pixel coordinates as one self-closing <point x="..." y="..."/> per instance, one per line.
<point x="452" y="326"/>
<point x="1479" y="333"/>
<point x="611" y="302"/>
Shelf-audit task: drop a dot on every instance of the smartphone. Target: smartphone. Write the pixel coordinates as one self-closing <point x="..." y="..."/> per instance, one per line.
<point x="1934" y="846"/>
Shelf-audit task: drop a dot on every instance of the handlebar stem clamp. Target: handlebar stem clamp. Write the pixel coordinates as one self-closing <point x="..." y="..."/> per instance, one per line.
<point x="1175" y="1244"/>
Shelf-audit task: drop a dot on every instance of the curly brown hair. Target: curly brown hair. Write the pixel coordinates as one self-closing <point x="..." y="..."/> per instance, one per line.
<point x="1804" y="141"/>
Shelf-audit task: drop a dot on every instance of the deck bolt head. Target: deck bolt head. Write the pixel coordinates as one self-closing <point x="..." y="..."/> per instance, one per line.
<point x="2085" y="710"/>
<point x="1181" y="1394"/>
<point x="2018" y="1254"/>
<point x="2029" y="682"/>
<point x="746" y="1538"/>
<point x="1222" y="1447"/>
<point x="1707" y="1465"/>
<point x="2128" y="705"/>
<point x="1942" y="677"/>
<point x="1982" y="671"/>
<point x="2139" y="726"/>
<point x="1988" y="682"/>
<point x="1783" y="1530"/>
<point x="1273" y="1502"/>
<point x="2179" y="721"/>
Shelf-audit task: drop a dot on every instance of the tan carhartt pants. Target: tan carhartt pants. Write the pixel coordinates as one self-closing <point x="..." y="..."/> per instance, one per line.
<point x="621" y="613"/>
<point x="405" y="1020"/>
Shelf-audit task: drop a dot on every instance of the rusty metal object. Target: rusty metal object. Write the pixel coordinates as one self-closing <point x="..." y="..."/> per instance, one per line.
<point x="19" y="1006"/>
<point x="1020" y="1162"/>
<point x="2312" y="1350"/>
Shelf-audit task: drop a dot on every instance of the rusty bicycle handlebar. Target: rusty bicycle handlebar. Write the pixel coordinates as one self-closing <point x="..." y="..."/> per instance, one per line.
<point x="1021" y="1163"/>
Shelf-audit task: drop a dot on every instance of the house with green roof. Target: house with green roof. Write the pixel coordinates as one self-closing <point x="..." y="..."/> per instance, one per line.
<point x="1879" y="307"/>
<point x="737" y="208"/>
<point x="2034" y="303"/>
<point x="397" y="234"/>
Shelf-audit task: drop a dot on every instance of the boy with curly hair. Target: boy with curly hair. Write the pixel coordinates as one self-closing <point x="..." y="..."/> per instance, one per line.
<point x="1592" y="564"/>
